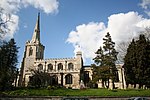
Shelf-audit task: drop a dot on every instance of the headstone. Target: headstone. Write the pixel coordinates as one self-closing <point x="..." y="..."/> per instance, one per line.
<point x="137" y="86"/>
<point x="100" y="85"/>
<point x="82" y="86"/>
<point x="129" y="86"/>
<point x="144" y="87"/>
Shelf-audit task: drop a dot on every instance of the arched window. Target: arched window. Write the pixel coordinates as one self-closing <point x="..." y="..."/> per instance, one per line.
<point x="68" y="78"/>
<point x="50" y="67"/>
<point x="70" y="66"/>
<point x="30" y="51"/>
<point x="60" y="66"/>
<point x="40" y="67"/>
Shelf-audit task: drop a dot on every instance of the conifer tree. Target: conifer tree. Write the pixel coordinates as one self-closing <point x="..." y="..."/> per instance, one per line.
<point x="130" y="63"/>
<point x="8" y="62"/>
<point x="141" y="60"/>
<point x="137" y="63"/>
<point x="110" y="56"/>
<point x="105" y="60"/>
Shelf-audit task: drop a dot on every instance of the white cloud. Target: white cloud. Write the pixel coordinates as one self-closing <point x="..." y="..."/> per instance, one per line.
<point x="25" y="25"/>
<point x="87" y="37"/>
<point x="145" y="4"/>
<point x="11" y="7"/>
<point x="122" y="27"/>
<point x="125" y="26"/>
<point x="12" y="26"/>
<point x="48" y="6"/>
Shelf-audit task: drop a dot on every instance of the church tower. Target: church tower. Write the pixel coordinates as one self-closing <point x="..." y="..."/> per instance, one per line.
<point x="34" y="50"/>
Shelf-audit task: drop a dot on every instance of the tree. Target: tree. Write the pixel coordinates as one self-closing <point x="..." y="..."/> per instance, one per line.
<point x="110" y="57"/>
<point x="39" y="79"/>
<point x="137" y="63"/>
<point x="122" y="50"/>
<point x="5" y="18"/>
<point x="105" y="60"/>
<point x="130" y="63"/>
<point x="8" y="62"/>
<point x="122" y="46"/>
<point x="146" y="33"/>
<point x="141" y="60"/>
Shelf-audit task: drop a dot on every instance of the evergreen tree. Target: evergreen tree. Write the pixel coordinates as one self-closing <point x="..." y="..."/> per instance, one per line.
<point x="137" y="63"/>
<point x="105" y="60"/>
<point x="8" y="62"/>
<point x="141" y="60"/>
<point x="147" y="70"/>
<point x="130" y="63"/>
<point x="110" y="56"/>
<point x="99" y="57"/>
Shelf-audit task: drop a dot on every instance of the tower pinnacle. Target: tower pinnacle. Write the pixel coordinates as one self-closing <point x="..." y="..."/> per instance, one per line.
<point x="36" y="33"/>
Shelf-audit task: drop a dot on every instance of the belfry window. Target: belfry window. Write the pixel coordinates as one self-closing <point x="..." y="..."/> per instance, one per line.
<point x="30" y="51"/>
<point x="60" y="66"/>
<point x="70" y="66"/>
<point x="68" y="79"/>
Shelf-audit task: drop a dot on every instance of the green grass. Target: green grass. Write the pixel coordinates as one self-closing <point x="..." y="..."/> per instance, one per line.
<point x="70" y="92"/>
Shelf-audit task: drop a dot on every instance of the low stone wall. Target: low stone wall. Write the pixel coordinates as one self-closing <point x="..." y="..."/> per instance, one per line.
<point x="63" y="98"/>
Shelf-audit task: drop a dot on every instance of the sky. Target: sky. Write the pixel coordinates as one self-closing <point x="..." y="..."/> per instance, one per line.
<point x="68" y="26"/>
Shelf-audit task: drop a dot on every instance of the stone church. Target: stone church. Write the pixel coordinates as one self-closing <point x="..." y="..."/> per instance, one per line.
<point x="63" y="71"/>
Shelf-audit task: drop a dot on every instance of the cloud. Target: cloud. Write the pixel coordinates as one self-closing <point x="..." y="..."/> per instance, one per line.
<point x="12" y="26"/>
<point x="10" y="6"/>
<point x="25" y="26"/>
<point x="48" y="6"/>
<point x="126" y="26"/>
<point x="9" y="9"/>
<point x="145" y="4"/>
<point x="87" y="36"/>
<point x="122" y="27"/>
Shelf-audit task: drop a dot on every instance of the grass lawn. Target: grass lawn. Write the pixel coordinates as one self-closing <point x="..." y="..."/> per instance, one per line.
<point x="70" y="92"/>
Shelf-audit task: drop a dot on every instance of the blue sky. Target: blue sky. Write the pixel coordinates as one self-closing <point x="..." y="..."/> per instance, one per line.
<point x="65" y="27"/>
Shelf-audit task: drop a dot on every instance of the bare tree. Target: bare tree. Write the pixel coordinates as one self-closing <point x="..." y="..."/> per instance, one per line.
<point x="146" y="32"/>
<point x="122" y="46"/>
<point x="122" y="50"/>
<point x="4" y="19"/>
